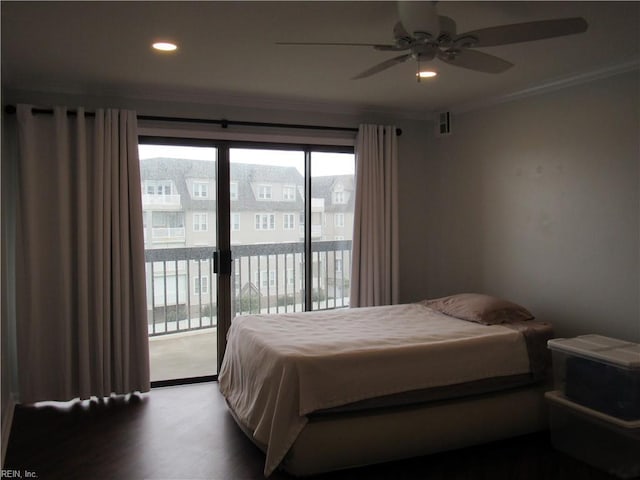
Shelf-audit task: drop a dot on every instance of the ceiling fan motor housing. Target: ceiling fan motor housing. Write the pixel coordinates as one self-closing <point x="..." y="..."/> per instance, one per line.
<point x="419" y="18"/>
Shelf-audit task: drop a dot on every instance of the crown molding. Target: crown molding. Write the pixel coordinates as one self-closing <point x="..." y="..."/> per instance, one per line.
<point x="306" y="105"/>
<point x="550" y="86"/>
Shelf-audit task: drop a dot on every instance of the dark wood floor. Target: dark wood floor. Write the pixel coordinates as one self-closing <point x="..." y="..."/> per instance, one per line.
<point x="186" y="432"/>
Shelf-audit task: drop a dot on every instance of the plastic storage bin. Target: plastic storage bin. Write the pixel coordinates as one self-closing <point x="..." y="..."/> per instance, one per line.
<point x="599" y="372"/>
<point x="600" y="440"/>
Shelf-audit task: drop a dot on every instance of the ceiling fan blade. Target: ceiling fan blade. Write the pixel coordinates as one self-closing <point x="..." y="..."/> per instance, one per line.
<point x="382" y="66"/>
<point x="475" y="60"/>
<point x="374" y="45"/>
<point x="526" y="32"/>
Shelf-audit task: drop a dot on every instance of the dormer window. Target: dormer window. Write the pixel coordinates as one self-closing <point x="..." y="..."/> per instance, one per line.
<point x="200" y="190"/>
<point x="289" y="193"/>
<point x="264" y="192"/>
<point x="339" y="196"/>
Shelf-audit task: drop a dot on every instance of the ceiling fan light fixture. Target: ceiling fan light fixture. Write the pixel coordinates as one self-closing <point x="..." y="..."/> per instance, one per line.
<point x="426" y="74"/>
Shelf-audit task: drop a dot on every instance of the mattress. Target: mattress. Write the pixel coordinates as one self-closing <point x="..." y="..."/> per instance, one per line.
<point x="280" y="369"/>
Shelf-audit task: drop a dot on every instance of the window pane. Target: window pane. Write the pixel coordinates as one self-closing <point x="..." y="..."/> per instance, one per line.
<point x="332" y="200"/>
<point x="179" y="239"/>
<point x="267" y="193"/>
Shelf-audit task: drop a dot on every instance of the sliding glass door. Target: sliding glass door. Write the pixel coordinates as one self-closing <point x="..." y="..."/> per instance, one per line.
<point x="180" y="221"/>
<point x="233" y="229"/>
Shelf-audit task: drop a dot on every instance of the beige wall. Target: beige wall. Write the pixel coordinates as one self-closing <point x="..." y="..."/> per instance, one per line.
<point x="537" y="200"/>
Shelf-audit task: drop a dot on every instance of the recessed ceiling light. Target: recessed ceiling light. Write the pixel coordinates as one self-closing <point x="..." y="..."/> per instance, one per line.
<point x="165" y="46"/>
<point x="426" y="74"/>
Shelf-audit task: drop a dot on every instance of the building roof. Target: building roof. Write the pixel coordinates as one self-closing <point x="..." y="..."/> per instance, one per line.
<point x="246" y="175"/>
<point x="178" y="170"/>
<point x="323" y="187"/>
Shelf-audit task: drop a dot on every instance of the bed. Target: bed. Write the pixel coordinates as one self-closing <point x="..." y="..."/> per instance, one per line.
<point x="320" y="391"/>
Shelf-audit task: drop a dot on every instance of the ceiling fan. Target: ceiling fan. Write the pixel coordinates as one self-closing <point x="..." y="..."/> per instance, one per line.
<point x="434" y="35"/>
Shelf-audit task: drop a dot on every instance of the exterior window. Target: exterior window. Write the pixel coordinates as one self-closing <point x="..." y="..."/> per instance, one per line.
<point x="167" y="227"/>
<point x="291" y="276"/>
<point x="338" y="237"/>
<point x="235" y="222"/>
<point x="289" y="193"/>
<point x="199" y="222"/>
<point x="339" y="220"/>
<point x="201" y="285"/>
<point x="339" y="198"/>
<point x="289" y="221"/>
<point x="233" y="190"/>
<point x="168" y="219"/>
<point x="265" y="221"/>
<point x="264" y="192"/>
<point x="266" y="278"/>
<point x="338" y="265"/>
<point x="165" y="290"/>
<point x="158" y="187"/>
<point x="200" y="190"/>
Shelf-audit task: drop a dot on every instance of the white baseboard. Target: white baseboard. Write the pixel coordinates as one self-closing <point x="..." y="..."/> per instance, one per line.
<point x="7" y="421"/>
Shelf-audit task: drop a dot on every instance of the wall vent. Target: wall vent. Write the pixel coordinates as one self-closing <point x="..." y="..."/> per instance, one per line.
<point x="444" y="123"/>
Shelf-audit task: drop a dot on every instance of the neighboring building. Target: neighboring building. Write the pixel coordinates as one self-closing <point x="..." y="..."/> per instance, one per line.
<point x="267" y="212"/>
<point x="337" y="195"/>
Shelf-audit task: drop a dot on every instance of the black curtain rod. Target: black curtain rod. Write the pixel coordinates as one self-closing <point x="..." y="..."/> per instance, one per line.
<point x="11" y="109"/>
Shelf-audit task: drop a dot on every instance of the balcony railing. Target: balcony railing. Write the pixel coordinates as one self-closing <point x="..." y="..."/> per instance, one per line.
<point x="163" y="201"/>
<point x="167" y="234"/>
<point x="316" y="231"/>
<point x="267" y="278"/>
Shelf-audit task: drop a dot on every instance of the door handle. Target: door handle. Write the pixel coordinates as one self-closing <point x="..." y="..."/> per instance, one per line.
<point x="222" y="262"/>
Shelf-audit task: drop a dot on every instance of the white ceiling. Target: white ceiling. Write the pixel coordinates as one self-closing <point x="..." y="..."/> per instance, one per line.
<point x="227" y="50"/>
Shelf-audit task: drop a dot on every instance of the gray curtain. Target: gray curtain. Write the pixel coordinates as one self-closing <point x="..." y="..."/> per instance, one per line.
<point x="375" y="237"/>
<point x="80" y="279"/>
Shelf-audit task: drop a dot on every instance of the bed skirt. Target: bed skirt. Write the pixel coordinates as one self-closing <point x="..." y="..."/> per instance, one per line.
<point x="346" y="440"/>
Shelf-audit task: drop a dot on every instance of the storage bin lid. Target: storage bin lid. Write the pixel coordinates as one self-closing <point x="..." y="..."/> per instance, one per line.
<point x="608" y="350"/>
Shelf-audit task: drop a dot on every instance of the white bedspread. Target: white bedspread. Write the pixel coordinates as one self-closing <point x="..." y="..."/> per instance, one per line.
<point x="279" y="368"/>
